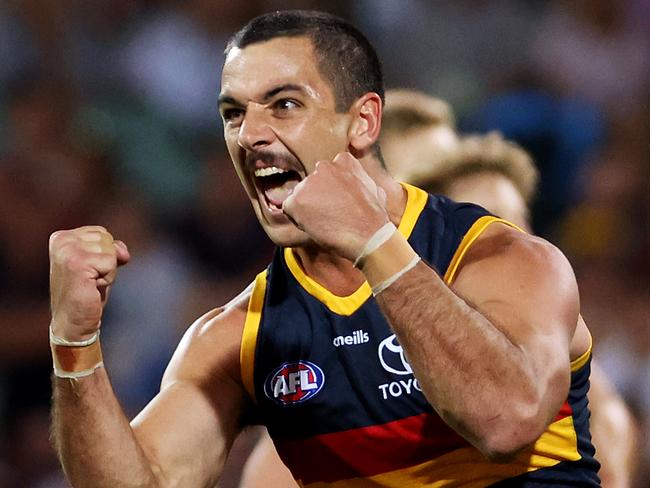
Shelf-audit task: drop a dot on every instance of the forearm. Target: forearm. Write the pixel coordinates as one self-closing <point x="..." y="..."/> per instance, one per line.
<point x="93" y="438"/>
<point x="465" y="366"/>
<point x="473" y="373"/>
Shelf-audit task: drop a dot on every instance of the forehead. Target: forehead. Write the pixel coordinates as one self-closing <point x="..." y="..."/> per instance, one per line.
<point x="251" y="71"/>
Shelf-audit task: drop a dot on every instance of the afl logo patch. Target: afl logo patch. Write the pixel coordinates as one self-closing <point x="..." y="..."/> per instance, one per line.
<point x="294" y="383"/>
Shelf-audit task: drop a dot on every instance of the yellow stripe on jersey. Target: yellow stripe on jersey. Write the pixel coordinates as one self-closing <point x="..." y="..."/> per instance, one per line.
<point x="415" y="203"/>
<point x="347" y="305"/>
<point x="468" y="468"/>
<point x="472" y="234"/>
<point x="581" y="360"/>
<point x="249" y="335"/>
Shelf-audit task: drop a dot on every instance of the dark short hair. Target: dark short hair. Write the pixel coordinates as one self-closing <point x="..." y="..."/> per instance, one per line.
<point x="345" y="57"/>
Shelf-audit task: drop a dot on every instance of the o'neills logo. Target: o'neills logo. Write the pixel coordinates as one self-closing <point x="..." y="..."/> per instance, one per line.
<point x="357" y="337"/>
<point x="294" y="383"/>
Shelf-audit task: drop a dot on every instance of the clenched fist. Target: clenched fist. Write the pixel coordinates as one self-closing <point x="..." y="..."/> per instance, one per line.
<point x="338" y="205"/>
<point x="83" y="265"/>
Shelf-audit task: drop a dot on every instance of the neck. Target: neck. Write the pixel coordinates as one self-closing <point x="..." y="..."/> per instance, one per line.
<point x="329" y="270"/>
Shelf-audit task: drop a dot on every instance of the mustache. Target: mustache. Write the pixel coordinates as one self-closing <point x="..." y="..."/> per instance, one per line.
<point x="272" y="158"/>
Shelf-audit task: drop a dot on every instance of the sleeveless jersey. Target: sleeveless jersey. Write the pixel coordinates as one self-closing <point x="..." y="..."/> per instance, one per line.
<point x="340" y="400"/>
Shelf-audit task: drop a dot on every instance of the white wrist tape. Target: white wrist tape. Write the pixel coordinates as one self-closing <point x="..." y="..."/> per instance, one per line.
<point x="378" y="238"/>
<point x="59" y="373"/>
<point x="377" y="289"/>
<point x="60" y="341"/>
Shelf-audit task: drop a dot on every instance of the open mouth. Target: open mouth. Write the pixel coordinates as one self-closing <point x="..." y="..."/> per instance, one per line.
<point x="276" y="184"/>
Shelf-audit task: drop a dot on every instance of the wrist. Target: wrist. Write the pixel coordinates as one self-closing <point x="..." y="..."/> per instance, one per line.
<point x="378" y="239"/>
<point x="388" y="262"/>
<point x="75" y="359"/>
<point x="72" y="335"/>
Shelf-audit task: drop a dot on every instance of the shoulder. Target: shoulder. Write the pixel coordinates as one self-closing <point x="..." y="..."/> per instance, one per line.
<point x="509" y="249"/>
<point x="211" y="345"/>
<point x="526" y="274"/>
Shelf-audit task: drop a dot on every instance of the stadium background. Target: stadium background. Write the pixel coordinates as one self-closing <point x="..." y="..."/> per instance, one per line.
<point x="108" y="115"/>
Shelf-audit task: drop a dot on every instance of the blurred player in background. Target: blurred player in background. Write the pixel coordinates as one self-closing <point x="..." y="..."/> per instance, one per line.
<point x="415" y="128"/>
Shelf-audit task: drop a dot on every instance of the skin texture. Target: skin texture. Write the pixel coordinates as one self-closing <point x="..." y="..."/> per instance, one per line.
<point x="517" y="334"/>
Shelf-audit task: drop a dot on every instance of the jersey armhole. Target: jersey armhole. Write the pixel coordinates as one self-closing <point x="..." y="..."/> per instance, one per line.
<point x="250" y="333"/>
<point x="469" y="238"/>
<point x="581" y="360"/>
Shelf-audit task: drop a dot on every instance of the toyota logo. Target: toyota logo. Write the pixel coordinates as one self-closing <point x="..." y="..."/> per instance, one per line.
<point x="392" y="357"/>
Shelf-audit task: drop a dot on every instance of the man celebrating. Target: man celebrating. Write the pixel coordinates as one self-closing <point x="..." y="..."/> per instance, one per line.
<point x="396" y="339"/>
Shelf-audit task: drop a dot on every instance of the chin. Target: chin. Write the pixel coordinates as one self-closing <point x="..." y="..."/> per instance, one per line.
<point x="287" y="235"/>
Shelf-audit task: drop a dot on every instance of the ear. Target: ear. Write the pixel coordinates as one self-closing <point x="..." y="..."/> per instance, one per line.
<point x="366" y="123"/>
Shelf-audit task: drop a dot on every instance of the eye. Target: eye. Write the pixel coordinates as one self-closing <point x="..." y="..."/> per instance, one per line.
<point x="285" y="105"/>
<point x="232" y="115"/>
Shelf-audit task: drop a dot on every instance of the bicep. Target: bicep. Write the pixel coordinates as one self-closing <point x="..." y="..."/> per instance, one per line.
<point x="189" y="427"/>
<point x="186" y="432"/>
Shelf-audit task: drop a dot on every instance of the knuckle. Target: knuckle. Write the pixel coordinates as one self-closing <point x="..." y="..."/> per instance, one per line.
<point x="57" y="238"/>
<point x="52" y="243"/>
<point x="55" y="235"/>
<point x="96" y="228"/>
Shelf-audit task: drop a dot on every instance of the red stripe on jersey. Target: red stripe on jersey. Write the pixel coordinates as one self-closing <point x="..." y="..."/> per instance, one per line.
<point x="368" y="451"/>
<point x="565" y="411"/>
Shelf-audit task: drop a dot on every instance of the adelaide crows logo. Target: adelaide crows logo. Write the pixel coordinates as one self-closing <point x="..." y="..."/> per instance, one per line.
<point x="294" y="382"/>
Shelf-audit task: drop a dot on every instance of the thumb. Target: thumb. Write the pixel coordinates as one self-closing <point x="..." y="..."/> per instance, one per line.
<point x="287" y="209"/>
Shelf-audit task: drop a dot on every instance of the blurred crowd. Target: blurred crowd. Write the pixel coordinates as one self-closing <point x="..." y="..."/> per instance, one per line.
<point x="108" y="116"/>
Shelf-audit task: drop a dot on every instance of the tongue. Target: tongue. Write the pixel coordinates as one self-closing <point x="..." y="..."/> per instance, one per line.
<point x="278" y="194"/>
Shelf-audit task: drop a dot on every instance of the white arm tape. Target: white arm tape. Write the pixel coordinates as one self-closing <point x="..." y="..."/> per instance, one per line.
<point x="60" y="341"/>
<point x="378" y="238"/>
<point x="59" y="373"/>
<point x="377" y="289"/>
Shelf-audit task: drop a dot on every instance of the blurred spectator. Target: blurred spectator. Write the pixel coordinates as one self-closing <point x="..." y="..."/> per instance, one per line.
<point x="593" y="49"/>
<point x="172" y="59"/>
<point x="454" y="49"/>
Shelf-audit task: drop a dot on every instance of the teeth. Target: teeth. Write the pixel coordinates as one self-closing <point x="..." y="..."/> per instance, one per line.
<point x="273" y="170"/>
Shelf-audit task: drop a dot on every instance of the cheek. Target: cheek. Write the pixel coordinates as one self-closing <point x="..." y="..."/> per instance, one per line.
<point x="237" y="158"/>
<point x="320" y="137"/>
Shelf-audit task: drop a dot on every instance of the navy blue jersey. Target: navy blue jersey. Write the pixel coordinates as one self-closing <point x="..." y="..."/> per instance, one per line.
<point x="340" y="400"/>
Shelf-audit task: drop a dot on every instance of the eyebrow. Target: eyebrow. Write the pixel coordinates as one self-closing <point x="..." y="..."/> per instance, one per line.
<point x="267" y="96"/>
<point x="279" y="89"/>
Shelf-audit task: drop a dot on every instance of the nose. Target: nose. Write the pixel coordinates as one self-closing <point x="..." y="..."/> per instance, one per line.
<point x="255" y="131"/>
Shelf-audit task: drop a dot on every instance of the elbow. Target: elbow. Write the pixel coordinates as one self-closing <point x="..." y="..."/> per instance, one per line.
<point x="504" y="449"/>
<point x="503" y="444"/>
<point x="522" y="421"/>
